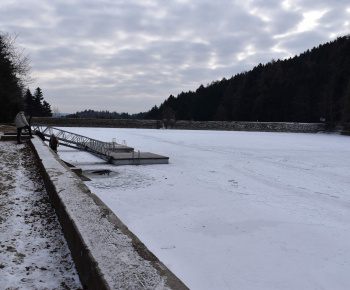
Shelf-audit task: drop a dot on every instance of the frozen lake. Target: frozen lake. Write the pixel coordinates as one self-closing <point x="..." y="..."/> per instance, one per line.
<point x="234" y="210"/>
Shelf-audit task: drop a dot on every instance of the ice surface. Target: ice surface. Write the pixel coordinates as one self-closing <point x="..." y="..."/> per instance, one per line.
<point x="234" y="210"/>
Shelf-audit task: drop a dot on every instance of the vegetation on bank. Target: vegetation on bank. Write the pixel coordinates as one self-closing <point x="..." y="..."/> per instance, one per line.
<point x="310" y="87"/>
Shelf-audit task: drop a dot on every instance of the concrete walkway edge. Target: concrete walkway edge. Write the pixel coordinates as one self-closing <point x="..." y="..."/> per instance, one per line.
<point x="84" y="233"/>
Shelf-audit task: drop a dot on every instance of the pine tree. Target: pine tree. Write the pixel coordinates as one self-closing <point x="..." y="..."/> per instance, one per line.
<point x="47" y="112"/>
<point x="38" y="105"/>
<point x="29" y="103"/>
<point x="346" y="104"/>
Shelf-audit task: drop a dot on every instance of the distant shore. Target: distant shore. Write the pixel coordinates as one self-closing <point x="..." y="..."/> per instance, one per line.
<point x="197" y="125"/>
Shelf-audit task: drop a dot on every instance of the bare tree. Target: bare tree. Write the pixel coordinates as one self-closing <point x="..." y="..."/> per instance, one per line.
<point x="14" y="75"/>
<point x="56" y="112"/>
<point x="16" y="55"/>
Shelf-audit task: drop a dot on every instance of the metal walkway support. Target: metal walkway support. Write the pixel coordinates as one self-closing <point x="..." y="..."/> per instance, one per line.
<point x="82" y="142"/>
<point x="113" y="152"/>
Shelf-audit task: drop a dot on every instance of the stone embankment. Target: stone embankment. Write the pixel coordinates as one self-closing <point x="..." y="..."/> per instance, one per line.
<point x="199" y="125"/>
<point x="251" y="126"/>
<point x="103" y="123"/>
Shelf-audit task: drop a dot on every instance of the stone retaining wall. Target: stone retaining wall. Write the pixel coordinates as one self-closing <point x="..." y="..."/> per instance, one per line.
<point x="188" y="125"/>
<point x="251" y="126"/>
<point x="105" y="123"/>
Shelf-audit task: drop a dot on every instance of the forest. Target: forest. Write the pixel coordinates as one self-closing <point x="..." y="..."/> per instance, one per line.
<point x="92" y="114"/>
<point x="311" y="87"/>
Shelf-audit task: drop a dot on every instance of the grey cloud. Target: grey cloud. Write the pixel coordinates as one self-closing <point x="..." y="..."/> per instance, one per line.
<point x="284" y="21"/>
<point x="320" y="4"/>
<point x="334" y="18"/>
<point x="304" y="41"/>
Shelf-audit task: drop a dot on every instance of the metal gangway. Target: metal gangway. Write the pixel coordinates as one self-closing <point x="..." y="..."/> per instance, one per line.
<point x="96" y="147"/>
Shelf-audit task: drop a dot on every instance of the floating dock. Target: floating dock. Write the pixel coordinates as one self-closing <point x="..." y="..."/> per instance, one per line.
<point x="137" y="158"/>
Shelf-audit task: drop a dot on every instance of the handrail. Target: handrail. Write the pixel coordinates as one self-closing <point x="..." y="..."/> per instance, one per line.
<point x="82" y="142"/>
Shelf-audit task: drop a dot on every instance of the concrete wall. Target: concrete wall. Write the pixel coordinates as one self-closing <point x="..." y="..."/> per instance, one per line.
<point x="96" y="237"/>
<point x="89" y="273"/>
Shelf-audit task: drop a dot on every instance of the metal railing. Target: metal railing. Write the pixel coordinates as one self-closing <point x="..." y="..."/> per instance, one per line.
<point x="81" y="142"/>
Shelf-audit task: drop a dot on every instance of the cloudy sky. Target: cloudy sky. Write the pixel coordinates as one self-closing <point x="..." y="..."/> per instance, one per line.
<point x="127" y="56"/>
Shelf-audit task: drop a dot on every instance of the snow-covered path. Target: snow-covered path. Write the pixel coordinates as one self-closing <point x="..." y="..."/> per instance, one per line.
<point x="33" y="251"/>
<point x="235" y="210"/>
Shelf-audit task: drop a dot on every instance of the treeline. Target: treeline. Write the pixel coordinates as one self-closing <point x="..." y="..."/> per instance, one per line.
<point x="310" y="87"/>
<point x="14" y="77"/>
<point x="91" y="114"/>
<point x="35" y="105"/>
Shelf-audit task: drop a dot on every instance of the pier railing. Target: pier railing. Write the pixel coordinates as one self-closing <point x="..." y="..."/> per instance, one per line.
<point x="81" y="142"/>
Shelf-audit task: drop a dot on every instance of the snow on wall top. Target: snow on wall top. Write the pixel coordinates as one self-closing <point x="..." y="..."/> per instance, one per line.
<point x="121" y="265"/>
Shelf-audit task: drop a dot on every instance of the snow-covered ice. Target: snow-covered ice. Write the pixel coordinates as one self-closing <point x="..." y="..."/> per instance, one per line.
<point x="234" y="210"/>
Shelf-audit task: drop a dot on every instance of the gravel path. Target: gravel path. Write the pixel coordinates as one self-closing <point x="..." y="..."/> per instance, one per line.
<point x="33" y="251"/>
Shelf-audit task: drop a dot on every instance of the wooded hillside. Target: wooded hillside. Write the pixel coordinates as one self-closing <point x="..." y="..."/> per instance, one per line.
<point x="305" y="88"/>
